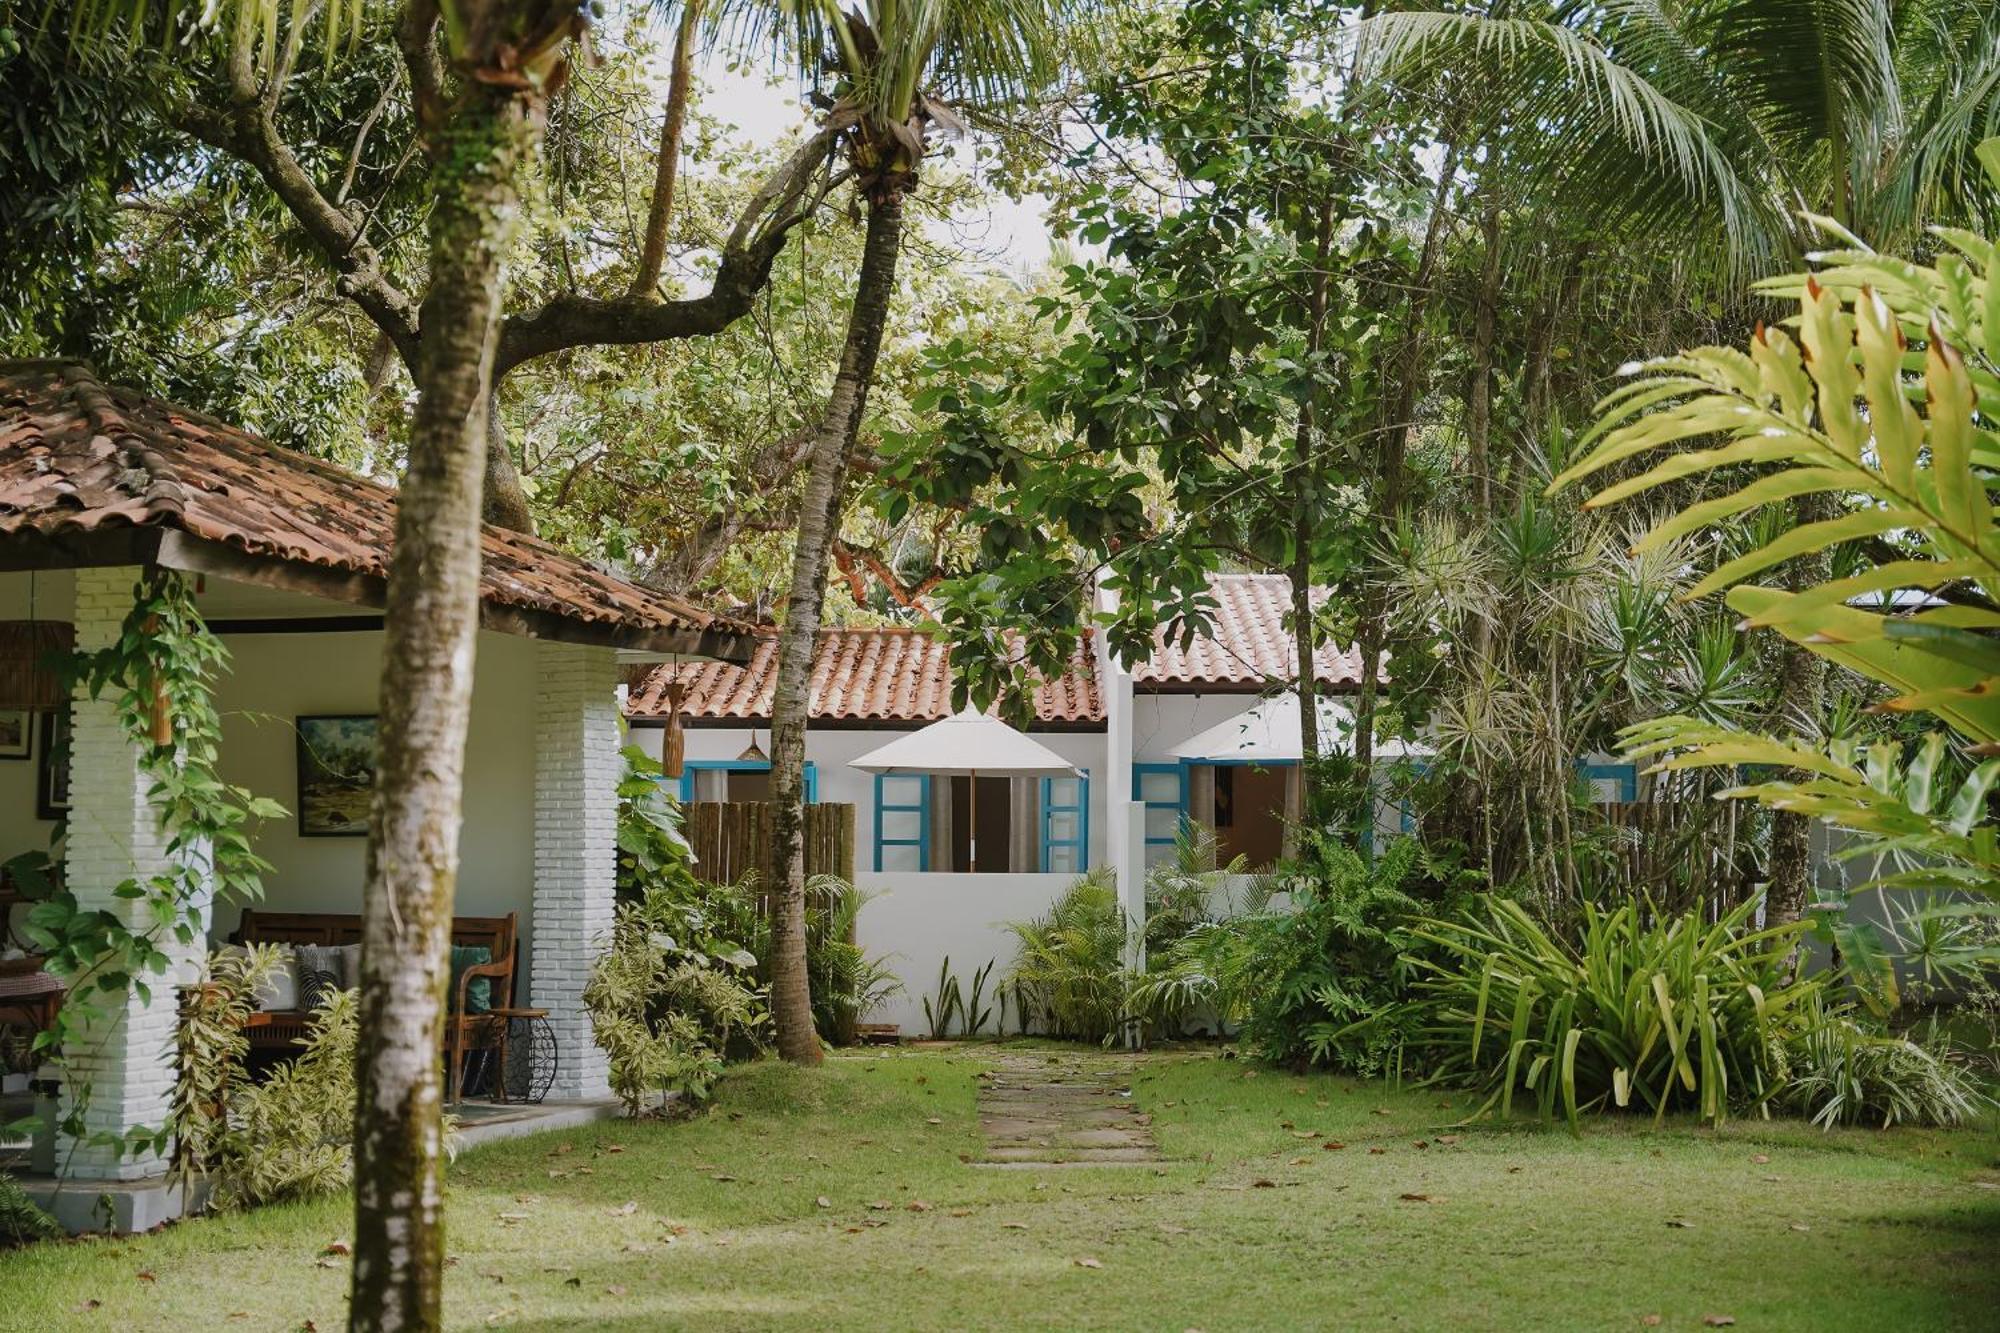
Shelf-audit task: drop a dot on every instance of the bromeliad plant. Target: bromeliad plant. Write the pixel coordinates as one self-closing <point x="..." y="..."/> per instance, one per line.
<point x="1643" y="1012"/>
<point x="1876" y="409"/>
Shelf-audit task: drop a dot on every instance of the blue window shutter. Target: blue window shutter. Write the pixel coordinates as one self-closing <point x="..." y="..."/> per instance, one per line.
<point x="812" y="783"/>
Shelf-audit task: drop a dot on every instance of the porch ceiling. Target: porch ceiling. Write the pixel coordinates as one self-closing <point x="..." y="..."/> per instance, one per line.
<point x="94" y="474"/>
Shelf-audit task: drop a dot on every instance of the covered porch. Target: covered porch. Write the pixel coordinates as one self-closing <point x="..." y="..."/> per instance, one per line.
<point x="286" y="559"/>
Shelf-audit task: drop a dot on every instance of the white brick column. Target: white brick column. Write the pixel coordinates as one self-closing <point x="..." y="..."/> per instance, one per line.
<point x="576" y="846"/>
<point x="126" y="1055"/>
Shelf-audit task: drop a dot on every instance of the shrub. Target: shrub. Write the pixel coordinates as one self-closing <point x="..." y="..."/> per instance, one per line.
<point x="292" y="1136"/>
<point x="665" y="1003"/>
<point x="21" y="1222"/>
<point x="846" y="982"/>
<point x="1317" y="980"/>
<point x="1843" y="1073"/>
<point x="1664" y="1012"/>
<point x="1069" y="978"/>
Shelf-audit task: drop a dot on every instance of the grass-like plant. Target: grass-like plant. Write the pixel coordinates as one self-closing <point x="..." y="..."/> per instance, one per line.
<point x="1666" y="1013"/>
<point x="1844" y="1073"/>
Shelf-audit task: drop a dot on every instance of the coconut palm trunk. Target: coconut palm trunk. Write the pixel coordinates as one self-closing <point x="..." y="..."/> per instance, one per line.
<point x="429" y="629"/>
<point x="819" y="522"/>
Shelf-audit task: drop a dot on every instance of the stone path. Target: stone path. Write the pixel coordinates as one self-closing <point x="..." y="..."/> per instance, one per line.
<point x="1062" y="1109"/>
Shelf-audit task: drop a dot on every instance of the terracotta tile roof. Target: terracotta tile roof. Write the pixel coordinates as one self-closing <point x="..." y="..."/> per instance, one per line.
<point x="82" y="460"/>
<point x="898" y="675"/>
<point x="1250" y="647"/>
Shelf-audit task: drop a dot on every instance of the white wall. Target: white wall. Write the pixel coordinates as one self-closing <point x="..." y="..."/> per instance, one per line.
<point x="917" y="921"/>
<point x="277" y="678"/>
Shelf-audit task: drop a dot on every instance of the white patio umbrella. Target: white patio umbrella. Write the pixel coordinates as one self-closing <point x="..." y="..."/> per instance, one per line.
<point x="1269" y="731"/>
<point x="967" y="744"/>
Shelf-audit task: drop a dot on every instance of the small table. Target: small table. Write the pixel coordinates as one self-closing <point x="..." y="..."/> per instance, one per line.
<point x="540" y="1056"/>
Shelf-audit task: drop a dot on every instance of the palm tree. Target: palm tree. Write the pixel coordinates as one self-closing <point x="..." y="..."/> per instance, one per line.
<point x="1688" y="119"/>
<point x="899" y="66"/>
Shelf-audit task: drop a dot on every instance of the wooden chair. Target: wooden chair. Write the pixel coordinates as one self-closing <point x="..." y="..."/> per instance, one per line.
<point x="463" y="1032"/>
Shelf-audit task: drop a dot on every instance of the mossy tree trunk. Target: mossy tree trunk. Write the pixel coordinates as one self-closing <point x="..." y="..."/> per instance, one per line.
<point x="478" y="149"/>
<point x="819" y="522"/>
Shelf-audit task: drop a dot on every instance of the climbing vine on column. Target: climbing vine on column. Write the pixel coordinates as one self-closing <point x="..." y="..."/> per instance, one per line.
<point x="160" y="673"/>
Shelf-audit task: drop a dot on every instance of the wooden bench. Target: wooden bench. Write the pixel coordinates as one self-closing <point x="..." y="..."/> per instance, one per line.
<point x="279" y="1029"/>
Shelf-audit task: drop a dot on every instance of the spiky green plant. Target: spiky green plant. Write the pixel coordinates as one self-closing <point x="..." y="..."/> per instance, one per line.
<point x="1662" y="1013"/>
<point x="1843" y="1073"/>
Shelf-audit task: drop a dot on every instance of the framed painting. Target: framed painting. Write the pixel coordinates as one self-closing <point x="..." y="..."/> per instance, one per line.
<point x="52" y="779"/>
<point x="336" y="775"/>
<point x="17" y="733"/>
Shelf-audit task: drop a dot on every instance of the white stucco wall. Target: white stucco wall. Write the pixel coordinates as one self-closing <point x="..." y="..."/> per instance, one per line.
<point x="277" y="678"/>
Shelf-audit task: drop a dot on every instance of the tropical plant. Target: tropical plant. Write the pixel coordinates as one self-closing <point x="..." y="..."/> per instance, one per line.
<point x="944" y="1004"/>
<point x="1070" y="971"/>
<point x="666" y="1001"/>
<point x="1832" y="409"/>
<point x="291" y="1136"/>
<point x="21" y="1222"/>
<point x="1316" y="979"/>
<point x="1841" y="1072"/>
<point x="847" y="981"/>
<point x="209" y="1051"/>
<point x="1643" y="1011"/>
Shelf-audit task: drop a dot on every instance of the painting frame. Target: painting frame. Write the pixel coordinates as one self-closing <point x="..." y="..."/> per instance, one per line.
<point x="17" y="733"/>
<point x="336" y="773"/>
<point x="52" y="775"/>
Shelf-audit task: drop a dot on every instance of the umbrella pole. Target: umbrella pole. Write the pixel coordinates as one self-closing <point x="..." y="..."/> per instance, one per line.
<point x="972" y="817"/>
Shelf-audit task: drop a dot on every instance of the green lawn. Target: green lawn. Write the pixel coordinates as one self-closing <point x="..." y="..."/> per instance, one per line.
<point x="717" y="1224"/>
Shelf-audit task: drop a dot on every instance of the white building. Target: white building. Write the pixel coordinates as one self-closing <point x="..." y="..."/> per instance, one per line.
<point x="288" y="559"/>
<point x="1118" y="725"/>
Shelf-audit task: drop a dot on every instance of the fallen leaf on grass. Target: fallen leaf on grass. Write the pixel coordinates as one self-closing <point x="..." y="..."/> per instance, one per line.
<point x="1377" y="1152"/>
<point x="1651" y="1321"/>
<point x="625" y="1209"/>
<point x="1087" y="1263"/>
<point x="1015" y="1226"/>
<point x="933" y="1120"/>
<point x="572" y="1282"/>
<point x="1299" y="1161"/>
<point x="560" y="1149"/>
<point x="513" y="1217"/>
<point x="723" y="1176"/>
<point x="1447" y="1139"/>
<point x="89" y="1305"/>
<point x="1332" y="1145"/>
<point x="638" y="1247"/>
<point x="147" y="1275"/>
<point x="614" y="1291"/>
<point x="917" y="1206"/>
<point x="1381" y="1110"/>
<point x="1682" y="1223"/>
<point x="338" y="1247"/>
<point x="880" y="1206"/>
<point x="1173" y="1230"/>
<point x="614" y="1147"/>
<point x="1800" y="1226"/>
<point x="822" y="1202"/>
<point x="1717" y="1320"/>
<point x="1262" y="1183"/>
<point x="1421" y="1143"/>
<point x="1761" y="1158"/>
<point x="1420" y="1198"/>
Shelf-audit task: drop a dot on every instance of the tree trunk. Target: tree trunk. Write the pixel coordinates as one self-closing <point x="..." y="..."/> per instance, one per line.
<point x="1479" y="388"/>
<point x="506" y="500"/>
<point x="653" y="250"/>
<point x="1405" y="370"/>
<point x="1801" y="709"/>
<point x="428" y="642"/>
<point x="819" y="523"/>
<point x="1305" y="515"/>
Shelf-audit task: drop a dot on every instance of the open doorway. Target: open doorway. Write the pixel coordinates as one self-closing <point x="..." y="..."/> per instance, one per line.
<point x="987" y="813"/>
<point x="1249" y="820"/>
